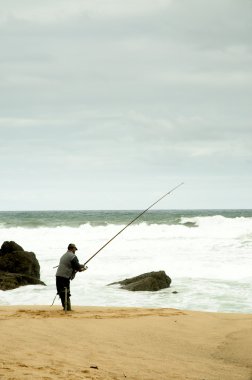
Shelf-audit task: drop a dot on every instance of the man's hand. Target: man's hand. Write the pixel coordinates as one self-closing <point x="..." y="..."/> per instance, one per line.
<point x="83" y="267"/>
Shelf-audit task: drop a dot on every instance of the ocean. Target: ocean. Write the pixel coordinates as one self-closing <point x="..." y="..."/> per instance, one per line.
<point x="207" y="254"/>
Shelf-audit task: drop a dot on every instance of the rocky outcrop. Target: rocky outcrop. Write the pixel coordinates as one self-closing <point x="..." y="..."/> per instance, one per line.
<point x="151" y="281"/>
<point x="17" y="267"/>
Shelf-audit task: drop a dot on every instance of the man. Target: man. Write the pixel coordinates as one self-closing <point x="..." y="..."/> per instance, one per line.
<point x="68" y="266"/>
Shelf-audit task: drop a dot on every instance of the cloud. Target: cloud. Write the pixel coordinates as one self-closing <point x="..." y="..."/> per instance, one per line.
<point x="116" y="93"/>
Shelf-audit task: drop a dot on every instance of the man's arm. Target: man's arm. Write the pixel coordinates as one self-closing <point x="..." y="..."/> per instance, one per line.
<point x="76" y="265"/>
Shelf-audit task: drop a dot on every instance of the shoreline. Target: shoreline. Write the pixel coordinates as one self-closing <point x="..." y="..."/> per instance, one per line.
<point x="79" y="309"/>
<point x="103" y="343"/>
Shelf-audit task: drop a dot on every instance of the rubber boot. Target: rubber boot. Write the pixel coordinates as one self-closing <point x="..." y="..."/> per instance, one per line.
<point x="62" y="298"/>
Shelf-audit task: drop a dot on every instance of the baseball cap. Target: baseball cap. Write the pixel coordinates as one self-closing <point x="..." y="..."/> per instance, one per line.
<point x="71" y="245"/>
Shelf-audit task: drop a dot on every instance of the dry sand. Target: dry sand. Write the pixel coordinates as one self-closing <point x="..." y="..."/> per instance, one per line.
<point x="39" y="342"/>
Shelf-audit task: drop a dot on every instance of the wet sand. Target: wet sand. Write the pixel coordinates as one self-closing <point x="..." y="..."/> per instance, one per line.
<point x="103" y="343"/>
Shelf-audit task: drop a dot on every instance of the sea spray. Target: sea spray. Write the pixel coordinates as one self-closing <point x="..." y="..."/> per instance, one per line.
<point x="208" y="255"/>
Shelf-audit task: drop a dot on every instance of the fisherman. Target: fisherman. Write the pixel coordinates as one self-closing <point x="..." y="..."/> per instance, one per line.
<point x="68" y="266"/>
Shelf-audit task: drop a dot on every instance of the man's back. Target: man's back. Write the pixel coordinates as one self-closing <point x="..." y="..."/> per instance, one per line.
<point x="65" y="268"/>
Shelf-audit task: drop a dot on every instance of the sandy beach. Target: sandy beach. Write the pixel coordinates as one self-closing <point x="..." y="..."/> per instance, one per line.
<point x="40" y="342"/>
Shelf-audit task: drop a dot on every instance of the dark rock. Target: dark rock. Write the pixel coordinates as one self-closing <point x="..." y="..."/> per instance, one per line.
<point x="151" y="281"/>
<point x="17" y="267"/>
<point x="10" y="281"/>
<point x="94" y="366"/>
<point x="9" y="247"/>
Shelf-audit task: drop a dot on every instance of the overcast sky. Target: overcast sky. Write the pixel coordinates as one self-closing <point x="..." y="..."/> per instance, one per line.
<point x="110" y="104"/>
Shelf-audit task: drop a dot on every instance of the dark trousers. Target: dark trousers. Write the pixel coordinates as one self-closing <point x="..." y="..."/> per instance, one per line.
<point x="61" y="284"/>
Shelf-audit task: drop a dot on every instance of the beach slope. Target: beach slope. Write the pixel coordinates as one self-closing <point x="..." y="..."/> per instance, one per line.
<point x="103" y="343"/>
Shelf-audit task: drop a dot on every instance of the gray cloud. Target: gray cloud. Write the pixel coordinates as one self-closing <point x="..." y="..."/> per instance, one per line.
<point x="124" y="95"/>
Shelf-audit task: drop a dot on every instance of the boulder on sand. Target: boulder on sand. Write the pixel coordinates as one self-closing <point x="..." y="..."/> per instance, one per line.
<point x="18" y="267"/>
<point x="151" y="281"/>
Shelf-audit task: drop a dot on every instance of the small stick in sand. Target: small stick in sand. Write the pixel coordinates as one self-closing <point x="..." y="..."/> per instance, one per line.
<point x="65" y="299"/>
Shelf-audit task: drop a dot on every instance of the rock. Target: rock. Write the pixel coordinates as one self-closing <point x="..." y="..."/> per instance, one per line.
<point x="151" y="281"/>
<point x="94" y="366"/>
<point x="10" y="281"/>
<point x="17" y="267"/>
<point x="9" y="247"/>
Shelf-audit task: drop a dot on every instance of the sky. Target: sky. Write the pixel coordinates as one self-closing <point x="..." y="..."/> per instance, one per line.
<point x="110" y="104"/>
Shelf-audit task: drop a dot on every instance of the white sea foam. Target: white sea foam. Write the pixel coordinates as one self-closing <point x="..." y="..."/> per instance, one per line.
<point x="210" y="264"/>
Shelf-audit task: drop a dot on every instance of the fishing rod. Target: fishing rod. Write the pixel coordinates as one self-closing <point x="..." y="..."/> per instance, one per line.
<point x="132" y="221"/>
